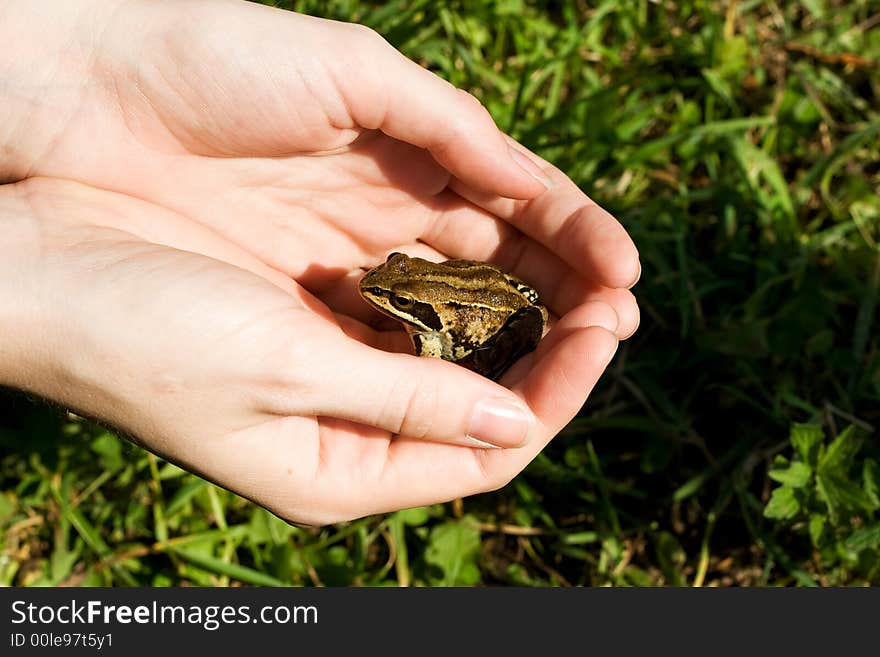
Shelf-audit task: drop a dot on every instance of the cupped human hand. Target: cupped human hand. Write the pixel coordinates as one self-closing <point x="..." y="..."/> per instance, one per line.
<point x="234" y="371"/>
<point x="311" y="144"/>
<point x="210" y="179"/>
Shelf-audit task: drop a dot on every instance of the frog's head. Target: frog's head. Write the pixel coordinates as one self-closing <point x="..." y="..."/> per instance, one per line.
<point x="406" y="289"/>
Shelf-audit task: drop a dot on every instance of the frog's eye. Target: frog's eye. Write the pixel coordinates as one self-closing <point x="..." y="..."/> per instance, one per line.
<point x="402" y="301"/>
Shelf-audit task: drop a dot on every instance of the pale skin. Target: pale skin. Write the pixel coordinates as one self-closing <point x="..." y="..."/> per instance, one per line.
<point x="193" y="190"/>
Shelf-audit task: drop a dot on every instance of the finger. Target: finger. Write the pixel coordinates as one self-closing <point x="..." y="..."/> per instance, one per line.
<point x="394" y="339"/>
<point x="592" y="313"/>
<point x="626" y="307"/>
<point x="560" y="288"/>
<point x="571" y="225"/>
<point x="417" y="473"/>
<point x="425" y="398"/>
<point x="405" y="101"/>
<point x="461" y="230"/>
<point x="562" y="378"/>
<point x="342" y="471"/>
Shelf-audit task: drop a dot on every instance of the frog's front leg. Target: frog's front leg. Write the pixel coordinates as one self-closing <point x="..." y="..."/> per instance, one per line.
<point x="432" y="344"/>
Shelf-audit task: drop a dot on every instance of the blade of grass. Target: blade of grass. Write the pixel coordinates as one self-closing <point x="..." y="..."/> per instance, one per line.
<point x="398" y="536"/>
<point x="605" y="496"/>
<point x="714" y="129"/>
<point x="216" y="507"/>
<point x="223" y="568"/>
<point x="161" y="527"/>
<point x="864" y="319"/>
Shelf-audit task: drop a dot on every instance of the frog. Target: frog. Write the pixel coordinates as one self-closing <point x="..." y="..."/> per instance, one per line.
<point x="468" y="312"/>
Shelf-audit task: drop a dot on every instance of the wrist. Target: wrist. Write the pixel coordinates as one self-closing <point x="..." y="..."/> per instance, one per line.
<point x="21" y="326"/>
<point x="49" y="347"/>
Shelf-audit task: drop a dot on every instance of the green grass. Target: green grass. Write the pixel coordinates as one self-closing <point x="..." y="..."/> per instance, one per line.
<point x="739" y="143"/>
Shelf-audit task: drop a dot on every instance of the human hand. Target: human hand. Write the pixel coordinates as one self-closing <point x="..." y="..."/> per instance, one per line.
<point x="304" y="204"/>
<point x="232" y="370"/>
<point x="311" y="144"/>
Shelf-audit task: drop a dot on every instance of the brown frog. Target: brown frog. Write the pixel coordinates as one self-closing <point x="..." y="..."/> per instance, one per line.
<point x="471" y="313"/>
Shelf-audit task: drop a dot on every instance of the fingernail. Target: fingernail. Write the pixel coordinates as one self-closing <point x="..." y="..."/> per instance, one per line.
<point x="500" y="422"/>
<point x="638" y="276"/>
<point x="526" y="164"/>
<point x="473" y="442"/>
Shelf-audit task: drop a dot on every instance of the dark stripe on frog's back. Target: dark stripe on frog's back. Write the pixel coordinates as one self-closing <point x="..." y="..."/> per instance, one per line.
<point x="527" y="290"/>
<point x="497" y="294"/>
<point x="468" y="271"/>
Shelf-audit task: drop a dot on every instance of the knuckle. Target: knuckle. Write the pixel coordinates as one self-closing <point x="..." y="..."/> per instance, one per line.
<point x="490" y="476"/>
<point x="311" y="519"/>
<point x="419" y="408"/>
<point x="472" y="101"/>
<point x="476" y="113"/>
<point x="306" y="510"/>
<point x="469" y="119"/>
<point x="285" y="389"/>
<point x="367" y="34"/>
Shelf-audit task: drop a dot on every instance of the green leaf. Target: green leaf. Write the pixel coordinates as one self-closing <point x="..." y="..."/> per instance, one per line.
<point x="864" y="538"/>
<point x="719" y="85"/>
<point x="454" y="547"/>
<point x="93" y="539"/>
<point x="221" y="567"/>
<point x="672" y="558"/>
<point x="816" y="528"/>
<point x="796" y="475"/>
<point x="580" y="538"/>
<point x="184" y="494"/>
<point x="171" y="471"/>
<point x="782" y="505"/>
<point x="109" y="450"/>
<point x="815" y="7"/>
<point x="806" y="438"/>
<point x="264" y="527"/>
<point x="61" y="563"/>
<point x="87" y="531"/>
<point x="841" y="494"/>
<point x="8" y="570"/>
<point x="868" y="306"/>
<point x="415" y="517"/>
<point x="759" y="166"/>
<point x="712" y="129"/>
<point x="638" y="576"/>
<point x="7" y="505"/>
<point x="839" y="456"/>
<point x="732" y="55"/>
<point x="871" y="481"/>
<point x="335" y="565"/>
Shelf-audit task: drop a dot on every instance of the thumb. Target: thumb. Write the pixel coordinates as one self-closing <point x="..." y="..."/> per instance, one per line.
<point x="408" y="102"/>
<point x="421" y="398"/>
